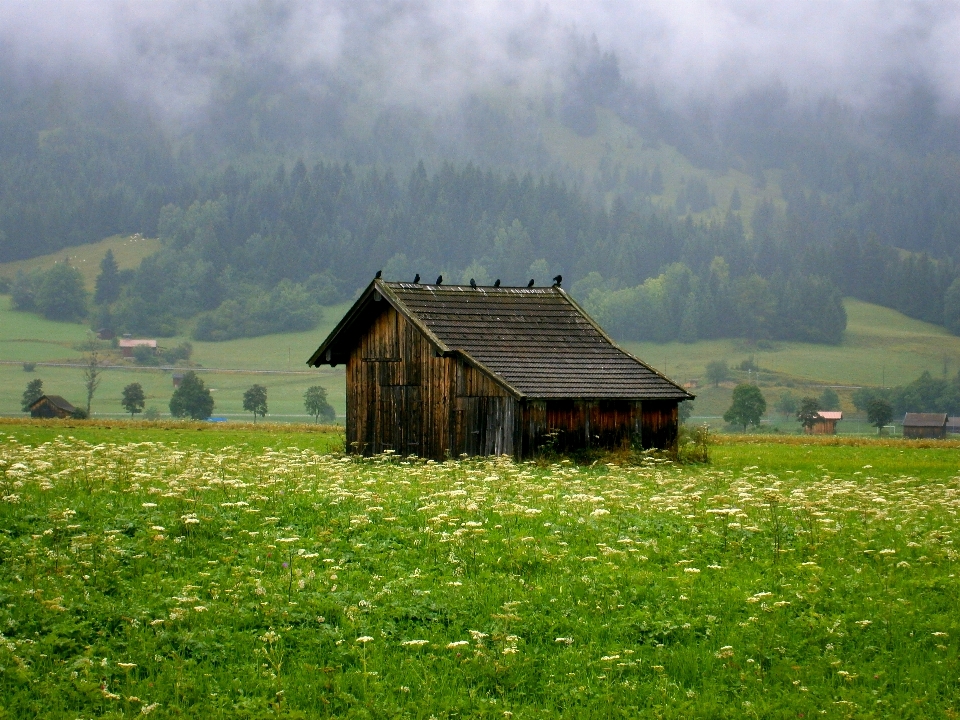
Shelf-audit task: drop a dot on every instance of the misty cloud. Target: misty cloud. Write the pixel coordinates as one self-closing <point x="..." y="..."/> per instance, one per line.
<point x="425" y="53"/>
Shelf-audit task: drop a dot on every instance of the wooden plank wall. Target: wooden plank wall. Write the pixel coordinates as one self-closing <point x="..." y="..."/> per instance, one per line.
<point x="401" y="396"/>
<point x="568" y="425"/>
<point x="660" y="424"/>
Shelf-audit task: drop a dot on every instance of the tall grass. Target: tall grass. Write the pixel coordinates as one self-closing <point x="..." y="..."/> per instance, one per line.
<point x="237" y="581"/>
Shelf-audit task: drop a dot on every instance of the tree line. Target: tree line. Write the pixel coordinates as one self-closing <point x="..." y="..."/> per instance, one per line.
<point x="192" y="399"/>
<point x="867" y="205"/>
<point x="256" y="253"/>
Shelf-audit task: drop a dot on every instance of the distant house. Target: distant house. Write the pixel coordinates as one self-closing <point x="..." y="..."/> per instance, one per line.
<point x="953" y="425"/>
<point x="441" y="371"/>
<point x="128" y="345"/>
<point x="177" y="380"/>
<point x="51" y="406"/>
<point x="826" y="423"/>
<point x="925" y="425"/>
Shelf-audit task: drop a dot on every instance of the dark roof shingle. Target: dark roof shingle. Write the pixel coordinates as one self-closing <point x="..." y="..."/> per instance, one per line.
<point x="56" y="401"/>
<point x="925" y="419"/>
<point x="535" y="340"/>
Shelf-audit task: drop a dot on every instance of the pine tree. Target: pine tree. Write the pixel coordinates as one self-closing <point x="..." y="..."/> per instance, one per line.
<point x="108" y="281"/>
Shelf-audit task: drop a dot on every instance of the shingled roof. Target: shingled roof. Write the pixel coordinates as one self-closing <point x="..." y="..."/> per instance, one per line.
<point x="537" y="342"/>
<point x="934" y="420"/>
<point x="55" y="400"/>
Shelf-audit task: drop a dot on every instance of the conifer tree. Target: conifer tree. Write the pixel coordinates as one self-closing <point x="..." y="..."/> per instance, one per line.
<point x="108" y="281"/>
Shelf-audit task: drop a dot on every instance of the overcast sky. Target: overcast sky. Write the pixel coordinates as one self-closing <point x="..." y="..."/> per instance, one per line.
<point x="862" y="51"/>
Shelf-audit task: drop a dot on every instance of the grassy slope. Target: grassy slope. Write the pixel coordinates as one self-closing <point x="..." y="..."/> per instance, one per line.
<point x="26" y="337"/>
<point x="880" y="344"/>
<point x="128" y="250"/>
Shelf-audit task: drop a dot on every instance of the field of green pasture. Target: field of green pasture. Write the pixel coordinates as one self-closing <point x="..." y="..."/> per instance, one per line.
<point x="128" y="251"/>
<point x="25" y="337"/>
<point x="252" y="573"/>
<point x="881" y="346"/>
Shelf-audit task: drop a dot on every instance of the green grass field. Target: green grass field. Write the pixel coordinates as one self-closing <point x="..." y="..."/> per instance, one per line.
<point x="28" y="337"/>
<point x="242" y="573"/>
<point x="881" y="346"/>
<point x="128" y="251"/>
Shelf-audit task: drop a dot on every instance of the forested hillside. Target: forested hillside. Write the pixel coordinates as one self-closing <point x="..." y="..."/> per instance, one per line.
<point x="753" y="221"/>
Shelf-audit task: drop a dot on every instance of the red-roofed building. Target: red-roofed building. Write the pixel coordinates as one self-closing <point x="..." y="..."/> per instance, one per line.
<point x="826" y="423"/>
<point x="128" y="345"/>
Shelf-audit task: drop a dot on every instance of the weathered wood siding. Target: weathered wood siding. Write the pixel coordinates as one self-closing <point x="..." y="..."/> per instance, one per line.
<point x="660" y="424"/>
<point x="935" y="433"/>
<point x="822" y="427"/>
<point x="398" y="391"/>
<point x="46" y="409"/>
<point x="576" y="424"/>
<point x="402" y="397"/>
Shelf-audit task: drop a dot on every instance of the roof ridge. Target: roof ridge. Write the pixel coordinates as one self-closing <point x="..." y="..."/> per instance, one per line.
<point x="538" y="342"/>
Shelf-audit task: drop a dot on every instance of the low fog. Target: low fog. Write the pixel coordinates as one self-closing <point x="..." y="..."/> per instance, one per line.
<point x="178" y="54"/>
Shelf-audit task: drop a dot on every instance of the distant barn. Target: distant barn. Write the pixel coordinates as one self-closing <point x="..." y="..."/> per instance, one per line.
<point x="439" y="371"/>
<point x="826" y="423"/>
<point x="128" y="345"/>
<point x="925" y="425"/>
<point x="51" y="406"/>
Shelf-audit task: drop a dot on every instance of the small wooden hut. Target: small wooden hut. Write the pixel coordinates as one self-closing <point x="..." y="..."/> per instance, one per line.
<point x="129" y="345"/>
<point x="826" y="423"/>
<point x="439" y="371"/>
<point x="925" y="425"/>
<point x="51" y="406"/>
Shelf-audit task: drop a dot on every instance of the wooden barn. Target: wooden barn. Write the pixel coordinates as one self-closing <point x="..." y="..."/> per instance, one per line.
<point x="51" y="406"/>
<point x="129" y="345"/>
<point x="925" y="425"/>
<point x="826" y="423"/>
<point x="443" y="370"/>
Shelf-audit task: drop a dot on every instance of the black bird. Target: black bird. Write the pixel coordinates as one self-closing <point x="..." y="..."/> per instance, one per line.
<point x="557" y="280"/>
<point x="473" y="283"/>
<point x="496" y="283"/>
<point x="439" y="279"/>
<point x="416" y="278"/>
<point x="530" y="284"/>
<point x="378" y="275"/>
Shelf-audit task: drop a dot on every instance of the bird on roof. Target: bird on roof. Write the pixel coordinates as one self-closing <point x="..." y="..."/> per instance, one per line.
<point x="473" y="283"/>
<point x="530" y="284"/>
<point x="416" y="278"/>
<point x="557" y="280"/>
<point x="439" y="279"/>
<point x="378" y="275"/>
<point x="496" y="283"/>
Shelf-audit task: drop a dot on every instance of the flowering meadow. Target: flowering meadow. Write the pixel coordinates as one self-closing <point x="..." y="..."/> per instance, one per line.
<point x="167" y="580"/>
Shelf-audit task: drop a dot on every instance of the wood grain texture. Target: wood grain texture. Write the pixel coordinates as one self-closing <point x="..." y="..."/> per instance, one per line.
<point x="441" y="372"/>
